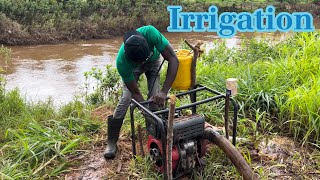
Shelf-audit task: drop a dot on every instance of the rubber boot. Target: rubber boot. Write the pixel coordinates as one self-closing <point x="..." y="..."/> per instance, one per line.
<point x="114" y="126"/>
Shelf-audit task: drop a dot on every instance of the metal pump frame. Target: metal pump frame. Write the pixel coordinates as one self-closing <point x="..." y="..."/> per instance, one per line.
<point x="194" y="103"/>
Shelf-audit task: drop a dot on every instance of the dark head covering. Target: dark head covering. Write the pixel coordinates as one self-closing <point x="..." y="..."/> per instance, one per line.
<point x="136" y="46"/>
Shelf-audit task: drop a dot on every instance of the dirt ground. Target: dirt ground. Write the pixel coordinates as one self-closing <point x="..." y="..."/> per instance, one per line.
<point x="282" y="158"/>
<point x="92" y="165"/>
<point x="279" y="157"/>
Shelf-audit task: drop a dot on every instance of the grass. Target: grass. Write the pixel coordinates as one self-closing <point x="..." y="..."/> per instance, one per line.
<point x="36" y="138"/>
<point x="280" y="80"/>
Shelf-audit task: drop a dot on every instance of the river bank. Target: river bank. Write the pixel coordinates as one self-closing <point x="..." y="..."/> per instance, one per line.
<point x="23" y="23"/>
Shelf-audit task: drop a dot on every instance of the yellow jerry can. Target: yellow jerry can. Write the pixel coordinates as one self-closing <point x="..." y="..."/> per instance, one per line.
<point x="183" y="78"/>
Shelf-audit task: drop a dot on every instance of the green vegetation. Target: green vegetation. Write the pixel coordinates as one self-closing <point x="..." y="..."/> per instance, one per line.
<point x="5" y="55"/>
<point x="280" y="81"/>
<point x="106" y="84"/>
<point x="39" y="22"/>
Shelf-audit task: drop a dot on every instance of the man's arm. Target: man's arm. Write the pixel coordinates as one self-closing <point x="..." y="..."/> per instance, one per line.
<point x="134" y="90"/>
<point x="173" y="64"/>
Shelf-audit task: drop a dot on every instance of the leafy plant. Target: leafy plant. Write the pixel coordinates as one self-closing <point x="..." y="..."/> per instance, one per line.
<point x="5" y="56"/>
<point x="106" y="85"/>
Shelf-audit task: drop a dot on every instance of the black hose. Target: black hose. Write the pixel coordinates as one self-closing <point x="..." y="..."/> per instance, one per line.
<point x="155" y="80"/>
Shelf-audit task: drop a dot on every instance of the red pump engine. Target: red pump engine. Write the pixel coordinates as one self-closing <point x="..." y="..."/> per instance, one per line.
<point x="188" y="145"/>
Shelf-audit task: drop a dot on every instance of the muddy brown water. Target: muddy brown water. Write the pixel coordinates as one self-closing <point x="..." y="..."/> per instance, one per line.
<point x="56" y="71"/>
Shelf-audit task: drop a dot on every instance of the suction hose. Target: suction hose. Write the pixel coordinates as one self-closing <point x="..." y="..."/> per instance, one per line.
<point x="232" y="153"/>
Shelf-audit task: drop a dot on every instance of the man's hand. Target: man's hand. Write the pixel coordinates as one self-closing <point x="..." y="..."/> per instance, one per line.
<point x="134" y="90"/>
<point x="159" y="98"/>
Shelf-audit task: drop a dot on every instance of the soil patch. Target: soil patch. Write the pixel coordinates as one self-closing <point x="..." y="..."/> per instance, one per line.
<point x="282" y="158"/>
<point x="92" y="164"/>
<point x="102" y="112"/>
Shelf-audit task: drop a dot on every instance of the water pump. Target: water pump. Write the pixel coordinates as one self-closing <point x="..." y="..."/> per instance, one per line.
<point x="190" y="135"/>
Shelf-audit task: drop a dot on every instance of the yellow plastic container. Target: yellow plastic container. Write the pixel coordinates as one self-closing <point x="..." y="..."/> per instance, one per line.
<point x="183" y="78"/>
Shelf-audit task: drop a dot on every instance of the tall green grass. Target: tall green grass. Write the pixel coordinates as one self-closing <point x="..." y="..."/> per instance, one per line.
<point x="282" y="80"/>
<point x="36" y="138"/>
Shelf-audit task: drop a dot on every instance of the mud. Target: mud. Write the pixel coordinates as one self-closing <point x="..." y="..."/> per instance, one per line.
<point x="92" y="164"/>
<point x="282" y="158"/>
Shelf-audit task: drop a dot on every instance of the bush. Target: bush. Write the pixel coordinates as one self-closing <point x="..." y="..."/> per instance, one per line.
<point x="105" y="84"/>
<point x="34" y="22"/>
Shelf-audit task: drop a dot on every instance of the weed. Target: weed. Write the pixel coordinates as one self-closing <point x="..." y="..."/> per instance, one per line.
<point x="106" y="85"/>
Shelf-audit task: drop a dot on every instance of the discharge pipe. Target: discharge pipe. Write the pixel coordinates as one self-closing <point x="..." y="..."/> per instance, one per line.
<point x="232" y="153"/>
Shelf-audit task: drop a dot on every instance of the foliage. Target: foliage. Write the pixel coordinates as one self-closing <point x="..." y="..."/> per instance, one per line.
<point x="31" y="150"/>
<point x="35" y="21"/>
<point x="12" y="107"/>
<point x="106" y="85"/>
<point x="75" y="109"/>
<point x="5" y="56"/>
<point x="38" y="22"/>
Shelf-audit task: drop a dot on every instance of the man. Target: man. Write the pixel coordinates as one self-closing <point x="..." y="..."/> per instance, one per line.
<point x="140" y="53"/>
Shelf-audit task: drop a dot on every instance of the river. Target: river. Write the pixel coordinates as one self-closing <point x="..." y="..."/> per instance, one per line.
<point x="56" y="71"/>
